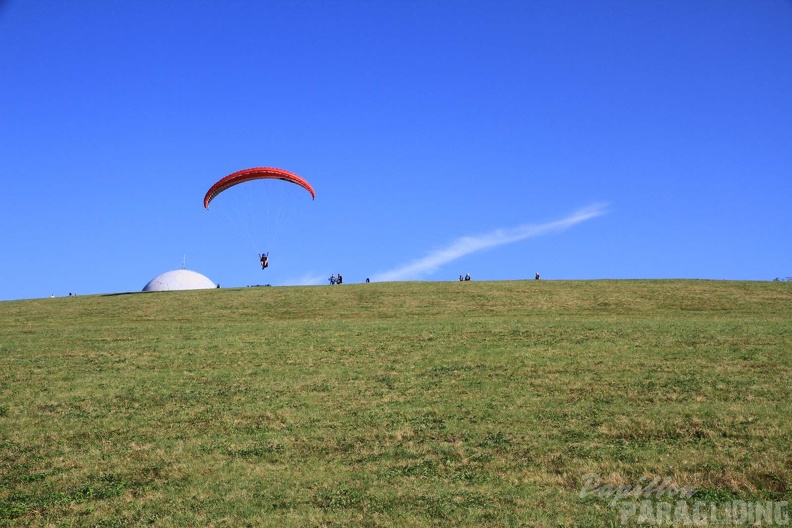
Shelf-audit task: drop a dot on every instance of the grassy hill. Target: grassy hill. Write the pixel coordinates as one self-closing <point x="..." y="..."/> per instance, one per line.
<point x="394" y="404"/>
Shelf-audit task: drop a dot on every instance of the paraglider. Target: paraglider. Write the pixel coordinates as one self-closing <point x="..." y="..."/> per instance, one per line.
<point x="256" y="173"/>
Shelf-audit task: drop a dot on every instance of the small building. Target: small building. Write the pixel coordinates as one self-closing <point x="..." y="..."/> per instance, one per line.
<point x="181" y="279"/>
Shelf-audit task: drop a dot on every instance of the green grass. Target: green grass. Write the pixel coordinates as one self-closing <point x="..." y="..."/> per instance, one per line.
<point x="394" y="404"/>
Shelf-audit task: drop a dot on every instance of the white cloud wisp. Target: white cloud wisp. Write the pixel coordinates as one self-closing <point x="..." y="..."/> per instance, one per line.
<point x="470" y="244"/>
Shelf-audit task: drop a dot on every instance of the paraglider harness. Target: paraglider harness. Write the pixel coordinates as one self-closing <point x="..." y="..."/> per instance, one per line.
<point x="264" y="258"/>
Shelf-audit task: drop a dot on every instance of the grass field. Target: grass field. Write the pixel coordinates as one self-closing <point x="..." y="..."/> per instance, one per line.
<point x="394" y="404"/>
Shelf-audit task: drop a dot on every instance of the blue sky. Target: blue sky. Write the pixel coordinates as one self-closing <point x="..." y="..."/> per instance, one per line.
<point x="582" y="140"/>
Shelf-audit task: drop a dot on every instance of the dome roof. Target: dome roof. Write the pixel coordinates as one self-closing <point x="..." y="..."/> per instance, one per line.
<point x="179" y="280"/>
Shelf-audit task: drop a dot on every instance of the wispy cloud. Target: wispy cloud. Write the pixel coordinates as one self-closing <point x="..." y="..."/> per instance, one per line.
<point x="309" y="279"/>
<point x="470" y="244"/>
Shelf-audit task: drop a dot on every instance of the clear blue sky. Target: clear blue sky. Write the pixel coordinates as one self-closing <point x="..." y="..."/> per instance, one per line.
<point x="579" y="139"/>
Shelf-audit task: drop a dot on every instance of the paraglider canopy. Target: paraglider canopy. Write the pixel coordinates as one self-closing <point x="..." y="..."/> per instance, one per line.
<point x="257" y="173"/>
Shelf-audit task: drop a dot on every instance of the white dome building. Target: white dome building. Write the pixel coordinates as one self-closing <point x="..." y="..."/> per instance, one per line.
<point x="179" y="280"/>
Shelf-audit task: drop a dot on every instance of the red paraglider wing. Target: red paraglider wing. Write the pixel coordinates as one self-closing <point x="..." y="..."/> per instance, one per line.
<point x="258" y="173"/>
